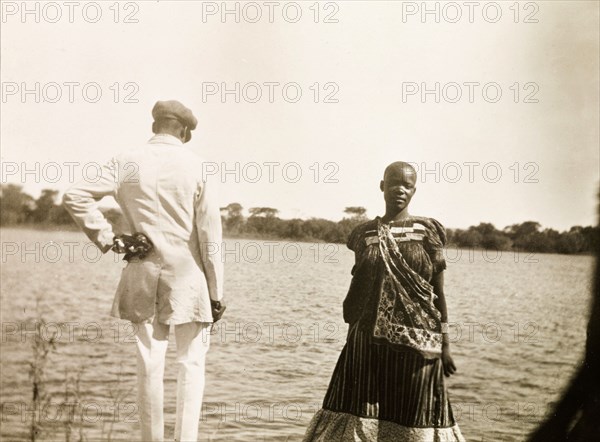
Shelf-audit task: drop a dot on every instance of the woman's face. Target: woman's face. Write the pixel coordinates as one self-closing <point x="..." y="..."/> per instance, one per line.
<point x="399" y="186"/>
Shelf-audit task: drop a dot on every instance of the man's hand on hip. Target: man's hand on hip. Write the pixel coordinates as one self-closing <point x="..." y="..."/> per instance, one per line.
<point x="137" y="245"/>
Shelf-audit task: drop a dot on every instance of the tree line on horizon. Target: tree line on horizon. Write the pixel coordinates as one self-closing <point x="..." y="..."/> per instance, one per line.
<point x="20" y="208"/>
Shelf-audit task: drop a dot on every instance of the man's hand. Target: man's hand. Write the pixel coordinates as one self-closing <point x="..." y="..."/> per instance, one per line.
<point x="218" y="308"/>
<point x="119" y="245"/>
<point x="447" y="362"/>
<point x="137" y="245"/>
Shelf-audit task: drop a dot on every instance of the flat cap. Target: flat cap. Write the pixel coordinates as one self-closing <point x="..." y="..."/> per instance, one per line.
<point x="174" y="110"/>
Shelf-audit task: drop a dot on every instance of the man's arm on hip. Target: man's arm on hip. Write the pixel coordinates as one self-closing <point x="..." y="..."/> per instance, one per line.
<point x="82" y="203"/>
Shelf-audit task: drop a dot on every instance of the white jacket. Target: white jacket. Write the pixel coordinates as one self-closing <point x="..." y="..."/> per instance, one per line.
<point x="162" y="192"/>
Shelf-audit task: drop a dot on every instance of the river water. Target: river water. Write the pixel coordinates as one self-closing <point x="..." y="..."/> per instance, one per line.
<point x="517" y="325"/>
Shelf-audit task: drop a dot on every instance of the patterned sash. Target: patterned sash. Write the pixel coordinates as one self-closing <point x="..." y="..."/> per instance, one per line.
<point x="406" y="314"/>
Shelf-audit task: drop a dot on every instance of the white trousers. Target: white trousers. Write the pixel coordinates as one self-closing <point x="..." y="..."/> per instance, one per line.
<point x="192" y="340"/>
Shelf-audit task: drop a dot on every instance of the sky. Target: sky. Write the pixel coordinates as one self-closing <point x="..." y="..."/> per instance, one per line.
<point x="497" y="105"/>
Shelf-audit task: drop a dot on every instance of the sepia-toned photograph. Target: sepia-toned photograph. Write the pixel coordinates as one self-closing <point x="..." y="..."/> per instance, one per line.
<point x="300" y="221"/>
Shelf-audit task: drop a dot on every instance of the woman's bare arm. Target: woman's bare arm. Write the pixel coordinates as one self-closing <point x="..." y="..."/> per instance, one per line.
<point x="438" y="288"/>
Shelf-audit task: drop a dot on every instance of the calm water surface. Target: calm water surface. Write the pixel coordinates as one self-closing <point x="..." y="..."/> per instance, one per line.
<point x="519" y="330"/>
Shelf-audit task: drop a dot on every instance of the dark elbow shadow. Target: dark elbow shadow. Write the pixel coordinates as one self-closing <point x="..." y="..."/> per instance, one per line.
<point x="576" y="417"/>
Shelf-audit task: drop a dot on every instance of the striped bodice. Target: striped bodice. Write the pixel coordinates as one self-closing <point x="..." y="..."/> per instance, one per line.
<point x="419" y="239"/>
<point x="415" y="233"/>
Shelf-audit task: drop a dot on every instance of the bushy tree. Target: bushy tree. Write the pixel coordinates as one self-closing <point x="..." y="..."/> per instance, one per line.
<point x="234" y="218"/>
<point x="356" y="211"/>
<point x="16" y="206"/>
<point x="469" y="238"/>
<point x="44" y="205"/>
<point x="267" y="212"/>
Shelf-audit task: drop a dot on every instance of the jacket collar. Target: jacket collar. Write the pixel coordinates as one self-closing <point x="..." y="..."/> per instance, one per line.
<point x="165" y="139"/>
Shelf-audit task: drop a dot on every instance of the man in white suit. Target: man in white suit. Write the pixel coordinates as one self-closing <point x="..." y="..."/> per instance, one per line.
<point x="164" y="196"/>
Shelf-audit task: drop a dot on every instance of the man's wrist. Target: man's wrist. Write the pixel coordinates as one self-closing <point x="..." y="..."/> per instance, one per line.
<point x="218" y="308"/>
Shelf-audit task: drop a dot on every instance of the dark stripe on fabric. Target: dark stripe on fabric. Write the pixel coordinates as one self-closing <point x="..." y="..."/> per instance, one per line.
<point x="376" y="381"/>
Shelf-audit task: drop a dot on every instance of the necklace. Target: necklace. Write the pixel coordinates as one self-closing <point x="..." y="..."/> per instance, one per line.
<point x="401" y="222"/>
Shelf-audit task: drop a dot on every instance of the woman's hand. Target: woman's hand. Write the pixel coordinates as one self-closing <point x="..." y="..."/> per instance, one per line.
<point x="447" y="362"/>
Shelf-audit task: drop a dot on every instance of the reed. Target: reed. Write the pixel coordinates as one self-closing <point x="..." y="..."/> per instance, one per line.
<point x="42" y="346"/>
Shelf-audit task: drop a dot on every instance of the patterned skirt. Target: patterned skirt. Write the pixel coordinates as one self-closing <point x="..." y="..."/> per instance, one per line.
<point x="381" y="394"/>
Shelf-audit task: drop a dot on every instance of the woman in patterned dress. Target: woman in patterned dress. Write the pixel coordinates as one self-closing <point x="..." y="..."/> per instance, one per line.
<point x="388" y="384"/>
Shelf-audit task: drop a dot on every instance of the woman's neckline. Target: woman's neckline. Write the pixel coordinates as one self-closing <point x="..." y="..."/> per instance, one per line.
<point x="402" y="221"/>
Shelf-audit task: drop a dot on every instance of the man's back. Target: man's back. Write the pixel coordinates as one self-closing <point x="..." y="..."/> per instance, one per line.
<point x="158" y="185"/>
<point x="161" y="192"/>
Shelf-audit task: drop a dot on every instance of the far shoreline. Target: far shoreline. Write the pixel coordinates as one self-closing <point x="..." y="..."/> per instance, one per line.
<point x="250" y="237"/>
